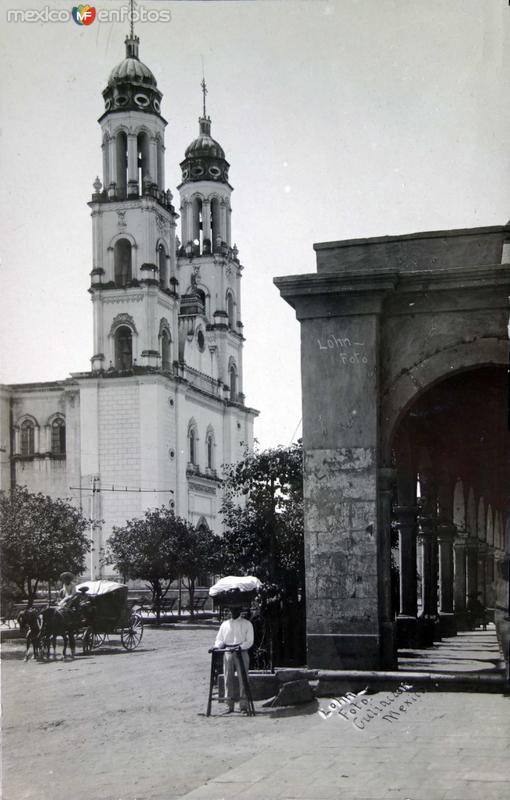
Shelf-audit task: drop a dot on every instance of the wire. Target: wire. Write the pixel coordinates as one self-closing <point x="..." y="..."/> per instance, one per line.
<point x="297" y="428"/>
<point x="95" y="489"/>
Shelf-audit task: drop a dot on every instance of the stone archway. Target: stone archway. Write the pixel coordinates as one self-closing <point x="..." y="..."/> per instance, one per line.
<point x="454" y="439"/>
<point x="382" y="322"/>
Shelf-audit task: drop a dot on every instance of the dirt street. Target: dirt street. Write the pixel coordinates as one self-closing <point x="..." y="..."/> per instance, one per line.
<point x="125" y="726"/>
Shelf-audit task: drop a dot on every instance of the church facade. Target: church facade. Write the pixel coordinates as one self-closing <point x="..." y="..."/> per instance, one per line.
<point x="162" y="407"/>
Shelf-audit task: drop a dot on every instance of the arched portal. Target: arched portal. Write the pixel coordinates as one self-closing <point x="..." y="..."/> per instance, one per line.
<point x="461" y="424"/>
<point x="387" y="325"/>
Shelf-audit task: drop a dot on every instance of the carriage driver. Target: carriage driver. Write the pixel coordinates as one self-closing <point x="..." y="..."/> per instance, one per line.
<point x="67" y="591"/>
<point x="237" y="632"/>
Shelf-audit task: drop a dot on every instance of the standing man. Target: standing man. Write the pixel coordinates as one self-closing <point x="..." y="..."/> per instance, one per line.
<point x="235" y="632"/>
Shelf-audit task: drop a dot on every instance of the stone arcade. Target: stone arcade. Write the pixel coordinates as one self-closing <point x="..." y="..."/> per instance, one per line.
<point x="404" y="352"/>
<point x="163" y="405"/>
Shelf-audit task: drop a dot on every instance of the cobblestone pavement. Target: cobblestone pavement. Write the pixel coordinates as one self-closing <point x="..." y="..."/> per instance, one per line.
<point x="131" y="726"/>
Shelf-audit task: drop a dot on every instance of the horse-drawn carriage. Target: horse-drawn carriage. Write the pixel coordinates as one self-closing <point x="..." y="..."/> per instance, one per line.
<point x="105" y="611"/>
<point x="98" y="609"/>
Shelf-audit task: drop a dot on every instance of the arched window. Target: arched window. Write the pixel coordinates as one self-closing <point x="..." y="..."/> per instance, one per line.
<point x="166" y="359"/>
<point x="202" y="296"/>
<point x="192" y="439"/>
<point x="58" y="437"/>
<point x="202" y="524"/>
<point x="230" y="309"/>
<point x="122" y="262"/>
<point x="27" y="438"/>
<point x="209" y="445"/>
<point x="121" y="146"/>
<point x="123" y="348"/>
<point x="163" y="270"/>
<point x="233" y="382"/>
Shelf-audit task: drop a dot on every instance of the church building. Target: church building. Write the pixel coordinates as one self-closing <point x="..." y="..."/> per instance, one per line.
<point x="162" y="407"/>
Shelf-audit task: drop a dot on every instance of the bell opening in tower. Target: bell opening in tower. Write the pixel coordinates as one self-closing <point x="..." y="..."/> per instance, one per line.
<point x="122" y="263"/>
<point x="123" y="348"/>
<point x="122" y="165"/>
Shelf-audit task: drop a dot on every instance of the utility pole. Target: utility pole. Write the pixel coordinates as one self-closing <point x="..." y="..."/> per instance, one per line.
<point x="95" y="490"/>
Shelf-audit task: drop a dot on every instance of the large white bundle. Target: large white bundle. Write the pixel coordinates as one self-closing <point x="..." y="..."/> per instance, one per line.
<point x="99" y="587"/>
<point x="246" y="583"/>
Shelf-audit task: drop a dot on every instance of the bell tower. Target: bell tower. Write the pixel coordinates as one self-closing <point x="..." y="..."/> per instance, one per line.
<point x="208" y="264"/>
<point x="133" y="279"/>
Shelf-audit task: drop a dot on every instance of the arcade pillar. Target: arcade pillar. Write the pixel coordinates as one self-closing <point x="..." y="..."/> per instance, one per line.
<point x="347" y="495"/>
<point x="446" y="534"/>
<point x="460" y="583"/>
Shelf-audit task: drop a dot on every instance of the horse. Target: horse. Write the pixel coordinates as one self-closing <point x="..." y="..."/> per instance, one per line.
<point x="30" y="623"/>
<point x="59" y="621"/>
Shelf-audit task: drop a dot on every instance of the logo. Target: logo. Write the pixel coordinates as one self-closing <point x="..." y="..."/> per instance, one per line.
<point x="84" y="15"/>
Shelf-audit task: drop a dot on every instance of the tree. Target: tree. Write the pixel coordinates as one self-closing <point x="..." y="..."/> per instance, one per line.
<point x="264" y="535"/>
<point x="39" y="539"/>
<point x="197" y="554"/>
<point x="159" y="548"/>
<point x="145" y="549"/>
<point x="263" y="515"/>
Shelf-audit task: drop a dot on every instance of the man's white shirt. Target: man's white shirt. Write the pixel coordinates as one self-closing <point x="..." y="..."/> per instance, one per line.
<point x="235" y="631"/>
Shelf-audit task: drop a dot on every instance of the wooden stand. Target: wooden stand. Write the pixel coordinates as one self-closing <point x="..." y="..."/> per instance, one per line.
<point x="216" y="667"/>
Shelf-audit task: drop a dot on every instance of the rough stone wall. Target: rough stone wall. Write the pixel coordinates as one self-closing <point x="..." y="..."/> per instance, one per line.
<point x="340" y="478"/>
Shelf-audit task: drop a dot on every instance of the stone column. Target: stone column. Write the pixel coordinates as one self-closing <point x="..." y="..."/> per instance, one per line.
<point x="406" y="620"/>
<point x="429" y="618"/>
<point x="472" y="567"/>
<point x="161" y="166"/>
<point x="429" y="621"/>
<point x="112" y="165"/>
<point x="228" y="237"/>
<point x="344" y="517"/>
<point x="153" y="159"/>
<point x="482" y="573"/>
<point x="460" y="583"/>
<point x="345" y="617"/>
<point x="446" y="533"/>
<point x="386" y="483"/>
<point x="106" y="173"/>
<point x="406" y="515"/>
<point x="490" y="599"/>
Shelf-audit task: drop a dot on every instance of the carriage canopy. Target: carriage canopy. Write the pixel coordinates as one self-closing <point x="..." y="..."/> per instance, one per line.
<point x="109" y="599"/>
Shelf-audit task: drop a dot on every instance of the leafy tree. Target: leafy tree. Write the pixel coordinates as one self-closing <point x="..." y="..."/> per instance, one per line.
<point x="263" y="515"/>
<point x="159" y="548"/>
<point x="197" y="554"/>
<point x="145" y="549"/>
<point x="39" y="539"/>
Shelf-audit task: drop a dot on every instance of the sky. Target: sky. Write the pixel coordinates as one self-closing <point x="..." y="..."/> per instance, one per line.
<point x="340" y="119"/>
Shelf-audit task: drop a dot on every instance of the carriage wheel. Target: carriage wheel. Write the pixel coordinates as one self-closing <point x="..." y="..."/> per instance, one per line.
<point x="131" y="635"/>
<point x="92" y="640"/>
